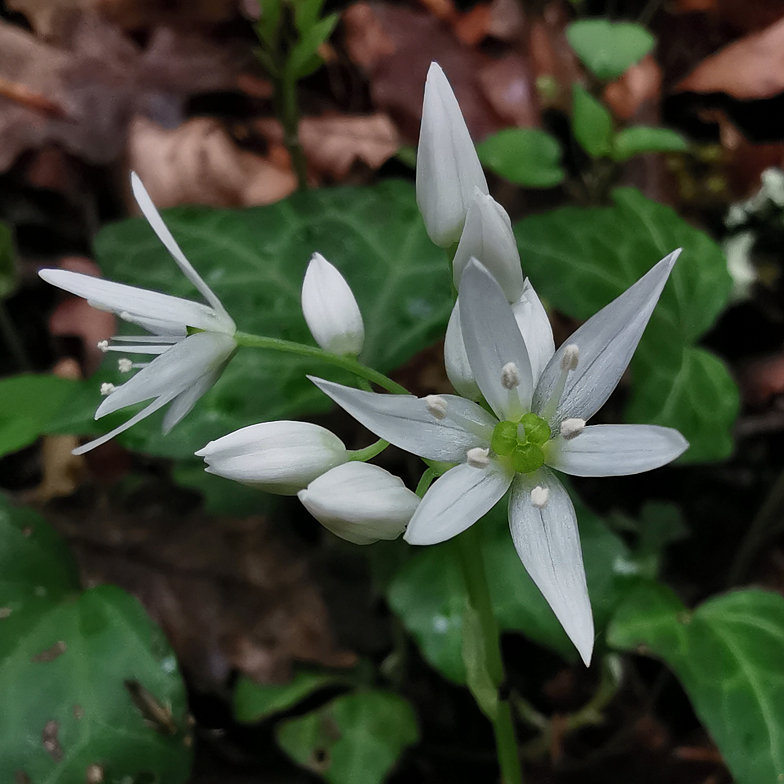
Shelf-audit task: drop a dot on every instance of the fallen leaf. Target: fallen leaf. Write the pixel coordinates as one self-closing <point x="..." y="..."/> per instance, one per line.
<point x="640" y="85"/>
<point x="507" y="20"/>
<point x="510" y="88"/>
<point x="744" y="15"/>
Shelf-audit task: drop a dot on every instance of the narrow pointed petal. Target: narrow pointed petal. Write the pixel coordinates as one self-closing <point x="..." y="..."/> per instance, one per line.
<point x="458" y="371"/>
<point x="617" y="450"/>
<point x="456" y="501"/>
<point x="182" y="405"/>
<point x="606" y="342"/>
<point x="406" y="422"/>
<point x="165" y="236"/>
<point x="493" y="341"/>
<point x="448" y="169"/>
<point x="134" y="301"/>
<point x="531" y="318"/>
<point x="548" y="543"/>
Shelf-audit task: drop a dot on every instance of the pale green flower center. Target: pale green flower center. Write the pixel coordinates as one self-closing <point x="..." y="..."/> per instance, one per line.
<point x="522" y="441"/>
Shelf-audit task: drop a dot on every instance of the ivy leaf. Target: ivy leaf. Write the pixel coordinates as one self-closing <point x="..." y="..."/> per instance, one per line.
<point x="592" y="124"/>
<point x="727" y="654"/>
<point x="607" y="49"/>
<point x="526" y="156"/>
<point x="642" y="138"/>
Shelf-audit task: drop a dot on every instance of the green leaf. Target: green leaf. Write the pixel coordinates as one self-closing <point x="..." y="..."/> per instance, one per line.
<point x="28" y="405"/>
<point x="592" y="124"/>
<point x="7" y="261"/>
<point x="601" y="251"/>
<point x="68" y="665"/>
<point x="728" y="656"/>
<point x="429" y="596"/>
<point x="526" y="156"/>
<point x="607" y="49"/>
<point x="268" y="22"/>
<point x="255" y="260"/>
<point x="642" y="138"/>
<point x="303" y="59"/>
<point x="254" y="702"/>
<point x="355" y="738"/>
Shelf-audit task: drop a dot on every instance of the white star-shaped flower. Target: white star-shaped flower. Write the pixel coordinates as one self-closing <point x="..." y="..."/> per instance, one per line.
<point x="538" y="423"/>
<point x="191" y="342"/>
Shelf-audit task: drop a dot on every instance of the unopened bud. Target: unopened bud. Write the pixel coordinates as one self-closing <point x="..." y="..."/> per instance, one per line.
<point x="540" y="496"/>
<point x="436" y="406"/>
<point x="571" y="428"/>
<point x="478" y="457"/>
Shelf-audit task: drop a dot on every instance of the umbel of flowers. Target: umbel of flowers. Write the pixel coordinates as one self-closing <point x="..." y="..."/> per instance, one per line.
<point x="519" y="417"/>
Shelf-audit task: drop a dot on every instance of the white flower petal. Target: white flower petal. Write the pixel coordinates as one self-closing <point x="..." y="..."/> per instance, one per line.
<point x="182" y="405"/>
<point x="330" y="309"/>
<point x="458" y="371"/>
<point x="448" y="169"/>
<point x="534" y="325"/>
<point x="360" y="502"/>
<point x="404" y="420"/>
<point x="487" y="237"/>
<point x="457" y="500"/>
<point x="165" y="236"/>
<point x="120" y="298"/>
<point x="279" y="457"/>
<point x="606" y="342"/>
<point x="548" y="542"/>
<point x="493" y="341"/>
<point x="617" y="450"/>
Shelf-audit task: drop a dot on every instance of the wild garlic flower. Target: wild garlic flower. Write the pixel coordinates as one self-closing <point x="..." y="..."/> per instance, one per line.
<point x="538" y="423"/>
<point x="191" y="343"/>
<point x="448" y="169"/>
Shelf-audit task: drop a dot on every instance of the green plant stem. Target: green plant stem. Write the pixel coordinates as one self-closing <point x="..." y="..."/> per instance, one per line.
<point x="472" y="562"/>
<point x="424" y="481"/>
<point x="369" y="452"/>
<point x="346" y="363"/>
<point x="288" y="114"/>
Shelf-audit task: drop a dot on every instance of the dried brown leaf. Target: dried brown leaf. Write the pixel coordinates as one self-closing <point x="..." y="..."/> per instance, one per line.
<point x="640" y="85"/>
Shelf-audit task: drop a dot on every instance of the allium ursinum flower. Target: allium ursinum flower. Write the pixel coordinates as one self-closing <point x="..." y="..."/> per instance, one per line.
<point x="538" y="424"/>
<point x="448" y="169"/>
<point x="279" y="457"/>
<point x="191" y="342"/>
<point x="360" y="502"/>
<point x="330" y="310"/>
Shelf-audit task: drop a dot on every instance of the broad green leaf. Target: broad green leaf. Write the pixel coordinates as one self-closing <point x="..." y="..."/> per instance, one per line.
<point x="255" y="260"/>
<point x="254" y="702"/>
<point x="355" y="738"/>
<point x="69" y="663"/>
<point x="7" y="261"/>
<point x="728" y="655"/>
<point x="642" y="138"/>
<point x="28" y="405"/>
<point x="607" y="49"/>
<point x="592" y="124"/>
<point x="526" y="156"/>
<point x="429" y="596"/>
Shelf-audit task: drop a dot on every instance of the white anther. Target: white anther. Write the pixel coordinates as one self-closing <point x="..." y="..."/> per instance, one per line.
<point x="124" y="365"/>
<point x="103" y="345"/>
<point x="540" y="496"/>
<point x="510" y="376"/>
<point x="570" y="357"/>
<point x="124" y="315"/>
<point x="436" y="406"/>
<point x="107" y="389"/>
<point x="571" y="428"/>
<point x="478" y="457"/>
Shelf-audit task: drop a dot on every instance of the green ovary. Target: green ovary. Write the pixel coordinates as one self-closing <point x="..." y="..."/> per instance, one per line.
<point x="522" y="441"/>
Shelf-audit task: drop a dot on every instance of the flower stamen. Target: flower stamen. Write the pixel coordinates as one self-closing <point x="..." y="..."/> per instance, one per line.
<point x="436" y="406"/>
<point x="477" y="457"/>
<point x="540" y="496"/>
<point x="124" y="365"/>
<point x="510" y="376"/>
<point x="107" y="388"/>
<point x="572" y="427"/>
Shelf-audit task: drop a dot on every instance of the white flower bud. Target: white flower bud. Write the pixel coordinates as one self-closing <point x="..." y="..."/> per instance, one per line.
<point x="279" y="457"/>
<point x="488" y="237"/>
<point x="330" y="310"/>
<point x="448" y="169"/>
<point x="458" y="370"/>
<point x="360" y="502"/>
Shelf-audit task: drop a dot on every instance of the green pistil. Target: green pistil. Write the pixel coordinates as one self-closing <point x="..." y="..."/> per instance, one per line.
<point x="522" y="441"/>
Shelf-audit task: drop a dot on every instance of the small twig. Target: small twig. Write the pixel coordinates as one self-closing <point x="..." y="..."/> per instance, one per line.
<point x="26" y="97"/>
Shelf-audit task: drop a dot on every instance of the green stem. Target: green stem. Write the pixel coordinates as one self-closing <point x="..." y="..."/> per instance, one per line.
<point x="424" y="482"/>
<point x="346" y="363"/>
<point x="369" y="452"/>
<point x="472" y="562"/>
<point x="288" y="109"/>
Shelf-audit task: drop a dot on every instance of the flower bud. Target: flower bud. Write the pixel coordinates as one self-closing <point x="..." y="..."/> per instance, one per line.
<point x="279" y="457"/>
<point x="330" y="310"/>
<point x="488" y="237"/>
<point x="448" y="169"/>
<point x="458" y="371"/>
<point x="360" y="502"/>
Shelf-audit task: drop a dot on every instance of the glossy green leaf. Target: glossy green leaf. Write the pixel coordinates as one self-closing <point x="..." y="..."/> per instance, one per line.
<point x="429" y="596"/>
<point x="7" y="261"/>
<point x="255" y="260"/>
<point x="526" y="156"/>
<point x="642" y="138"/>
<point x="592" y="124"/>
<point x="607" y="49"/>
<point x="355" y="738"/>
<point x="254" y="701"/>
<point x="29" y="404"/>
<point x="601" y="251"/>
<point x="728" y="655"/>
